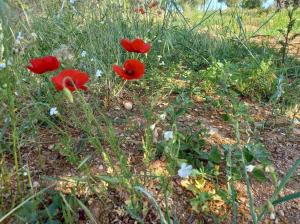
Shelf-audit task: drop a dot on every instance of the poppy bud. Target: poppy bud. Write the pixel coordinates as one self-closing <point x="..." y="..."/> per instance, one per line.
<point x="69" y="95"/>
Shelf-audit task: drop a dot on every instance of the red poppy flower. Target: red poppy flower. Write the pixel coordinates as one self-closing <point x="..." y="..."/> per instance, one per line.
<point x="132" y="69"/>
<point x="137" y="45"/>
<point x="153" y="4"/>
<point x="71" y="79"/>
<point x="140" y="10"/>
<point x="44" y="64"/>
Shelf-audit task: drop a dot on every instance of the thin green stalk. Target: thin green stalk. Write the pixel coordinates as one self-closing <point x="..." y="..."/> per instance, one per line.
<point x="249" y="193"/>
<point x="230" y="185"/>
<point x="280" y="187"/>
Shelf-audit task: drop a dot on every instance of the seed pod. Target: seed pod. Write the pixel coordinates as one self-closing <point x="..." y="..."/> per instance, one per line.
<point x="69" y="95"/>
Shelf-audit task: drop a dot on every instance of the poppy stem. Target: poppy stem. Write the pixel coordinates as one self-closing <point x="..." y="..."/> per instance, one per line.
<point x="120" y="90"/>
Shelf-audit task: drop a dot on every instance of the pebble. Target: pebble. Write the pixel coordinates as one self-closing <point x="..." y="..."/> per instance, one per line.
<point x="212" y="130"/>
<point x="50" y="147"/>
<point x="281" y="213"/>
<point x="128" y="105"/>
<point x="100" y="167"/>
<point x="35" y="184"/>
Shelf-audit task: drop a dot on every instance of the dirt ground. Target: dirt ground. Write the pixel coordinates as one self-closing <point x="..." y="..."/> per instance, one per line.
<point x="280" y="136"/>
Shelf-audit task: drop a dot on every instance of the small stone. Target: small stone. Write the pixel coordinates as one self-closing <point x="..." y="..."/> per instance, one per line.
<point x="35" y="184"/>
<point x="281" y="213"/>
<point x="163" y="158"/>
<point x="296" y="131"/>
<point x="272" y="216"/>
<point x="128" y="105"/>
<point x="212" y="130"/>
<point x="101" y="167"/>
<point x="50" y="147"/>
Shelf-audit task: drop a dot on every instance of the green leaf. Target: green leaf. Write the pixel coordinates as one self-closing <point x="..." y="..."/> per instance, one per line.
<point x="259" y="175"/>
<point x="214" y="155"/>
<point x="226" y="117"/>
<point x="199" y="200"/>
<point x="248" y="156"/>
<point x="108" y="179"/>
<point x="287" y="198"/>
<point x="87" y="211"/>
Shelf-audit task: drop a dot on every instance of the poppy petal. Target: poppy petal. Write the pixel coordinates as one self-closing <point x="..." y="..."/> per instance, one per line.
<point x="127" y="45"/>
<point x="145" y="49"/>
<point x="44" y="64"/>
<point x="56" y="80"/>
<point x="136" y="66"/>
<point x="51" y="62"/>
<point x="71" y="79"/>
<point x="117" y="69"/>
<point x="137" y="44"/>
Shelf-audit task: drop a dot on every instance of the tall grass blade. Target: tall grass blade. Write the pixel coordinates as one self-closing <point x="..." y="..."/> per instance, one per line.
<point x="153" y="201"/>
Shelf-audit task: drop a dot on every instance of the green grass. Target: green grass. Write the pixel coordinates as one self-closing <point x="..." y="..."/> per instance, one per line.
<point x="91" y="131"/>
<point x="225" y="22"/>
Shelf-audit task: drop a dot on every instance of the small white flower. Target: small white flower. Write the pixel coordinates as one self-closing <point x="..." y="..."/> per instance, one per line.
<point x="19" y="38"/>
<point x="272" y="215"/>
<point x="185" y="170"/>
<point x="152" y="127"/>
<point x="159" y="41"/>
<point x="34" y="35"/>
<point x="2" y="65"/>
<point x="16" y="93"/>
<point x="168" y="135"/>
<point x="72" y="2"/>
<point x="163" y="116"/>
<point x="162" y="63"/>
<point x="99" y="73"/>
<point x="250" y="168"/>
<point x="53" y="111"/>
<point x="159" y="57"/>
<point x="83" y="54"/>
